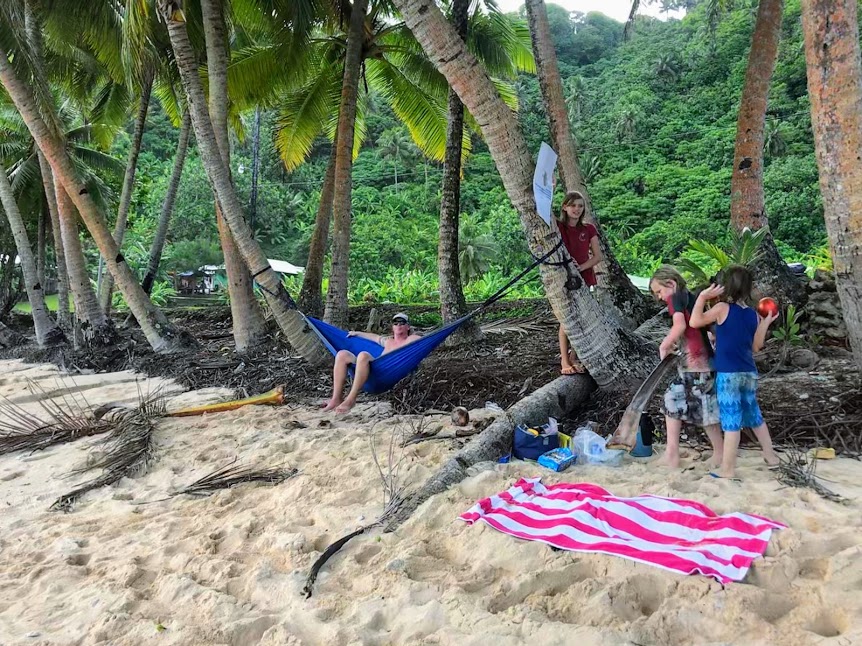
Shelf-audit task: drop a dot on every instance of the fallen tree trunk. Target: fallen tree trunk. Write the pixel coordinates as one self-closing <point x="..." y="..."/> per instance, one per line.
<point x="556" y="399"/>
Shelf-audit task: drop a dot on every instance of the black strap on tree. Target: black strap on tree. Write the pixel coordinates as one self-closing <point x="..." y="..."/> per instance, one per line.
<point x="573" y="281"/>
<point x="282" y="296"/>
<point x="496" y="296"/>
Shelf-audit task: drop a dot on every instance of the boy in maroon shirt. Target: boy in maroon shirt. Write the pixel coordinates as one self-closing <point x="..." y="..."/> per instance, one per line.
<point x="582" y="242"/>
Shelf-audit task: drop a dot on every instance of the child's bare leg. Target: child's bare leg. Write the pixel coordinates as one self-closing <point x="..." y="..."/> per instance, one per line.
<point x="360" y="376"/>
<point x="713" y="432"/>
<point x="728" y="461"/>
<point x="339" y="377"/>
<point x="671" y="452"/>
<point x="762" y="435"/>
<point x="566" y="366"/>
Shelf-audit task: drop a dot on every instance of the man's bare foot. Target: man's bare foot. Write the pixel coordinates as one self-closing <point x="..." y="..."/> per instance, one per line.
<point x="571" y="370"/>
<point x="345" y="407"/>
<point x="332" y="404"/>
<point x="771" y="459"/>
<point x="721" y="474"/>
<point x="669" y="461"/>
<point x="714" y="461"/>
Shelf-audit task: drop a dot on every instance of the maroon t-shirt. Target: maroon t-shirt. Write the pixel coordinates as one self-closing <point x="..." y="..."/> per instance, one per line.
<point x="698" y="350"/>
<point x="577" y="240"/>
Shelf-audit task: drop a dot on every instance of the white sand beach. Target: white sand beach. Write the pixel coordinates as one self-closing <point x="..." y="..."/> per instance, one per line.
<point x="229" y="568"/>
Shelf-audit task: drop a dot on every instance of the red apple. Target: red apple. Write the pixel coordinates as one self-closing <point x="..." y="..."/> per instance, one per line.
<point x="767" y="306"/>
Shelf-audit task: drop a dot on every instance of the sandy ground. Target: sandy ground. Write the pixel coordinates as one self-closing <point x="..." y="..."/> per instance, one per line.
<point x="228" y="569"/>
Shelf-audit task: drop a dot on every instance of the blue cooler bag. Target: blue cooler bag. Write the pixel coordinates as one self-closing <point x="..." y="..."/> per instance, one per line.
<point x="530" y="447"/>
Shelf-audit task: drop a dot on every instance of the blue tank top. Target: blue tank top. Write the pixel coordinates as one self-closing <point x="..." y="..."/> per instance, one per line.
<point x="734" y="339"/>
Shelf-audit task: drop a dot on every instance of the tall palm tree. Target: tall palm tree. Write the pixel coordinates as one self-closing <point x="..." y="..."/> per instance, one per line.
<point x="624" y="295"/>
<point x="47" y="332"/>
<point x="161" y="234"/>
<point x="612" y="355"/>
<point x="153" y="323"/>
<point x="747" y="200"/>
<point x="335" y="310"/>
<point x="773" y="139"/>
<point x="502" y="45"/>
<point x="834" y="63"/>
<point x="395" y="146"/>
<point x="249" y="327"/>
<point x="281" y="304"/>
<point x="32" y="172"/>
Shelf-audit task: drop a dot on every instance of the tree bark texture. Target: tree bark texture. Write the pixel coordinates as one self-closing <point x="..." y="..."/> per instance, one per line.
<point x="249" y="326"/>
<point x="612" y="354"/>
<point x="161" y="234"/>
<point x="153" y="323"/>
<point x="336" y="296"/>
<point x="47" y="332"/>
<point x="95" y="323"/>
<point x="747" y="200"/>
<point x="42" y="242"/>
<point x="556" y="399"/>
<point x="106" y="289"/>
<point x="64" y="317"/>
<point x="453" y="305"/>
<point x="289" y="319"/>
<point x="624" y="295"/>
<point x="835" y="88"/>
<point x="310" y="294"/>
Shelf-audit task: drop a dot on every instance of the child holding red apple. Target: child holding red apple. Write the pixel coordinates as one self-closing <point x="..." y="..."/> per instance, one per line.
<point x="739" y="333"/>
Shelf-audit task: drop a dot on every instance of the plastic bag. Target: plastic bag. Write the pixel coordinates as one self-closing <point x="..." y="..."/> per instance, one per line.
<point x="590" y="448"/>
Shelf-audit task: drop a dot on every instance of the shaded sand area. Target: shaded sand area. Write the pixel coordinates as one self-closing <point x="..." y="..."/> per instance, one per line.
<point x="228" y="569"/>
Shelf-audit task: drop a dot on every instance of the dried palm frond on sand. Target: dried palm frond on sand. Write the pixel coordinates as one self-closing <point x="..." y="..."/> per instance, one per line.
<point x="231" y="476"/>
<point x="797" y="468"/>
<point x="127" y="449"/>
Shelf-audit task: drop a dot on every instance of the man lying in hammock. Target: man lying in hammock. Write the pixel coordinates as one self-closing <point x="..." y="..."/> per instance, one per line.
<point x="344" y="359"/>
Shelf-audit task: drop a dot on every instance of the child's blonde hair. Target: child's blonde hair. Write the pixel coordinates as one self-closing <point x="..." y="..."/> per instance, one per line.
<point x="664" y="274"/>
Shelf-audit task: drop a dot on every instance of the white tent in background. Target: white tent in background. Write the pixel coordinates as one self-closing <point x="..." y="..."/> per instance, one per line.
<point x="284" y="267"/>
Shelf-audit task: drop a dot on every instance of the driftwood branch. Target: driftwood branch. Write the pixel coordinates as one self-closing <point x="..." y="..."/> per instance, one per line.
<point x="556" y="399"/>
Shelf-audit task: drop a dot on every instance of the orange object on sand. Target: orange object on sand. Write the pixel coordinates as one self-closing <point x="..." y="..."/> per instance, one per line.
<point x="274" y="397"/>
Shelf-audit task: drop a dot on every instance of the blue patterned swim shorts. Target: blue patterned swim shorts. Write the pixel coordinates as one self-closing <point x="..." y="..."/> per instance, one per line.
<point x="737" y="400"/>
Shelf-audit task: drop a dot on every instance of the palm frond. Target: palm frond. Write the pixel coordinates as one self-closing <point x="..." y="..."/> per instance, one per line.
<point x="302" y="115"/>
<point x="231" y="476"/>
<point x="697" y="273"/>
<point x="712" y="251"/>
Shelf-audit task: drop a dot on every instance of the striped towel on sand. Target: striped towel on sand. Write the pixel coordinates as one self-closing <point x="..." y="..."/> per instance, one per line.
<point x="678" y="535"/>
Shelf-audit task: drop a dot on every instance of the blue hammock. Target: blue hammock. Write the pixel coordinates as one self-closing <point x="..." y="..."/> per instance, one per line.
<point x="386" y="369"/>
<point x="390" y="368"/>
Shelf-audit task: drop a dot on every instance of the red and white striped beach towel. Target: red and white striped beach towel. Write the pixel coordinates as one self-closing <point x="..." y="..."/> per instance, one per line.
<point x="678" y="535"/>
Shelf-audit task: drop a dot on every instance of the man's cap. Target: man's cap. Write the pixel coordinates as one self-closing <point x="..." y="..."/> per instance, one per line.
<point x="400" y="316"/>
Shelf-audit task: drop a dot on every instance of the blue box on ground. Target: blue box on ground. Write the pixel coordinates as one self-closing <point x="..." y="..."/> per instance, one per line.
<point x="557" y="460"/>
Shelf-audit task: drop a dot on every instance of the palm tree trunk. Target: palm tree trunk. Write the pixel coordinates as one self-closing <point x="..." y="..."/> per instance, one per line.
<point x="154" y="325"/>
<point x="453" y="305"/>
<point x="747" y="201"/>
<point x="336" y="297"/>
<point x="41" y="243"/>
<point x="64" y="318"/>
<point x="255" y="168"/>
<point x="288" y="318"/>
<point x="310" y="298"/>
<point x="106" y="288"/>
<point x="249" y="326"/>
<point x="835" y="88"/>
<point x="614" y="356"/>
<point x="95" y="323"/>
<point x="624" y="295"/>
<point x="161" y="234"/>
<point x="47" y="332"/>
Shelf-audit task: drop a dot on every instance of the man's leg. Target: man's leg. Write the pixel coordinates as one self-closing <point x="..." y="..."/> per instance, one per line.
<point x="762" y="434"/>
<point x="360" y="376"/>
<point x="339" y="377"/>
